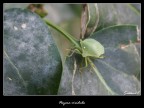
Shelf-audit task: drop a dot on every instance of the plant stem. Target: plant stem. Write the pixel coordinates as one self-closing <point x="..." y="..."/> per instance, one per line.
<point x="65" y="34"/>
<point x="100" y="77"/>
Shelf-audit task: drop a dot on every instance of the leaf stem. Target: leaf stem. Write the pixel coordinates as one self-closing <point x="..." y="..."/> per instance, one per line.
<point x="74" y="71"/>
<point x="65" y="34"/>
<point x="134" y="9"/>
<point x="100" y="77"/>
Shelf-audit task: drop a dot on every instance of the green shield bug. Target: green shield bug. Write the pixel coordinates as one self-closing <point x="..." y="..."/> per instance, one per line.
<point x="92" y="48"/>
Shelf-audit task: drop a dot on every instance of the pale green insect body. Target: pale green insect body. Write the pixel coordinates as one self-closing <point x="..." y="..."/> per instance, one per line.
<point x="92" y="48"/>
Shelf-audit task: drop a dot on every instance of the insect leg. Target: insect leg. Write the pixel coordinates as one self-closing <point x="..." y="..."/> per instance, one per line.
<point x="86" y="64"/>
<point x="74" y="51"/>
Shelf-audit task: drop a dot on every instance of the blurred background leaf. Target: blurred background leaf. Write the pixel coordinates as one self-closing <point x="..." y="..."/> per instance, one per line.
<point x="117" y="13"/>
<point x="15" y="5"/>
<point x="38" y="9"/>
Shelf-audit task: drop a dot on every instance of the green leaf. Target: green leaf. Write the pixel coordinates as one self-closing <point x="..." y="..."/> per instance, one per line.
<point x="118" y="80"/>
<point x="123" y="60"/>
<point x="134" y="50"/>
<point x="32" y="64"/>
<point x="138" y="47"/>
<point x="86" y="82"/>
<point x="115" y="36"/>
<point x="115" y="14"/>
